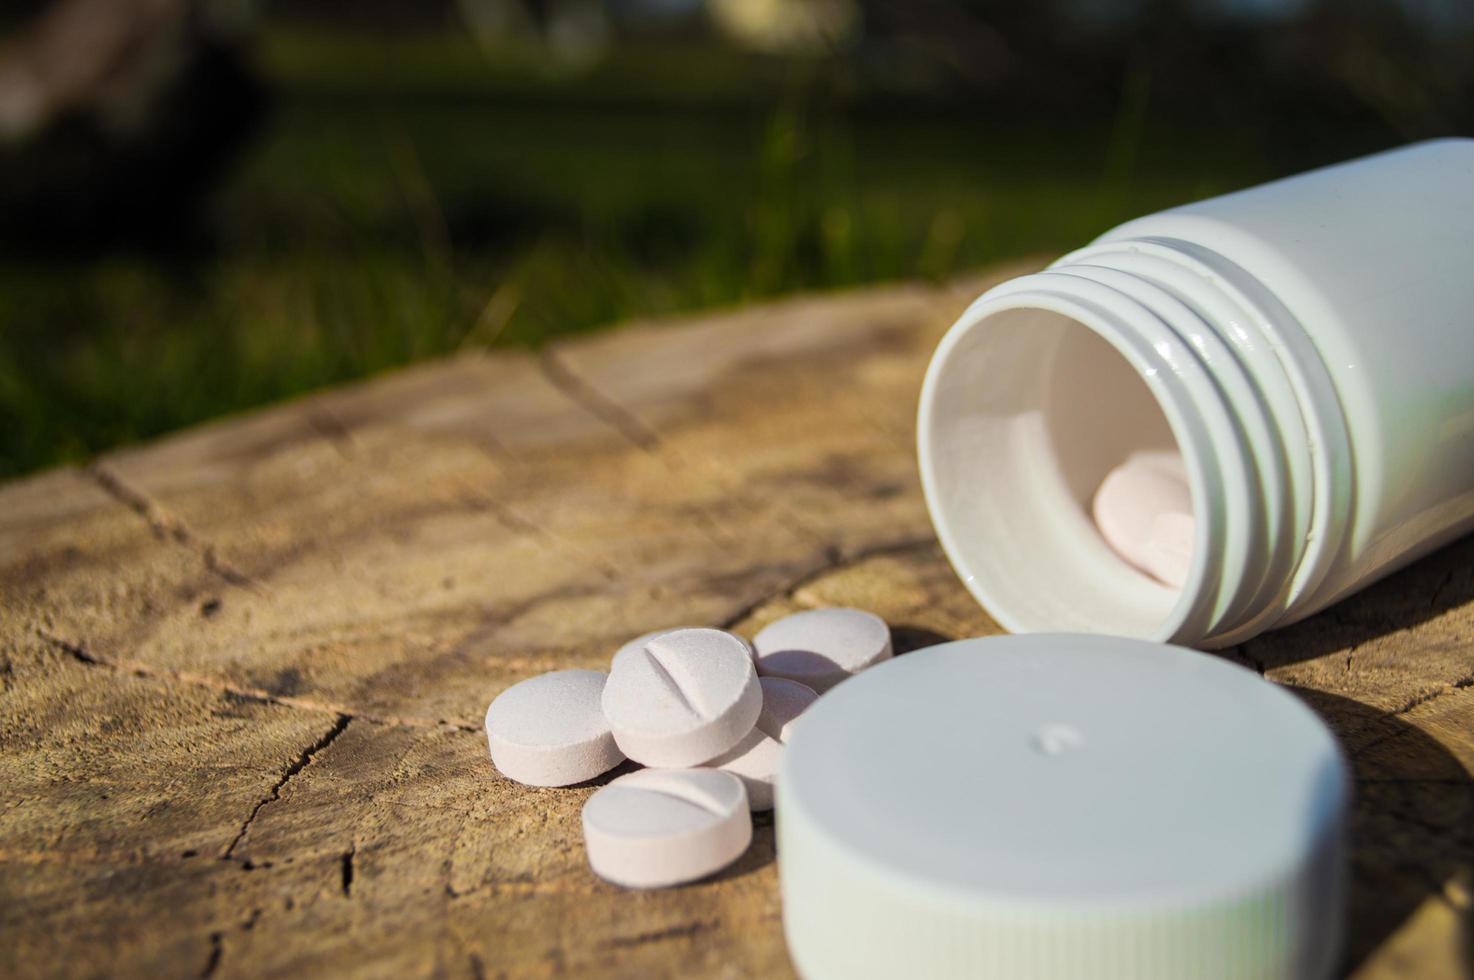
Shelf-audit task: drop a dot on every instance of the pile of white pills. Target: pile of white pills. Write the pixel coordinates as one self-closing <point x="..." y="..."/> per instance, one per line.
<point x="705" y="710"/>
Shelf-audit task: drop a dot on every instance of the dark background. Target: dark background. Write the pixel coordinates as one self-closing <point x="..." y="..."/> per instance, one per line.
<point x="210" y="206"/>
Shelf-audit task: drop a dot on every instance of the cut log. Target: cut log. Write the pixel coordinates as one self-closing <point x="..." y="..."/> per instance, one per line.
<point x="244" y="668"/>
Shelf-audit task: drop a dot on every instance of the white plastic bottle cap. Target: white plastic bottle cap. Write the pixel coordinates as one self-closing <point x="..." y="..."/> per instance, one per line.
<point x="1058" y="806"/>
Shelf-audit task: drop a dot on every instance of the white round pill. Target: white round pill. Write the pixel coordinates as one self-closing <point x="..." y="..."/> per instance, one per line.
<point x="550" y="730"/>
<point x="821" y="647"/>
<point x="754" y="760"/>
<point x="783" y="701"/>
<point x="1144" y="511"/>
<point x="659" y="827"/>
<point x="684" y="697"/>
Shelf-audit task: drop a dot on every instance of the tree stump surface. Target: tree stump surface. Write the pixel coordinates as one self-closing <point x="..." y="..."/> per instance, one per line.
<point x="245" y="667"/>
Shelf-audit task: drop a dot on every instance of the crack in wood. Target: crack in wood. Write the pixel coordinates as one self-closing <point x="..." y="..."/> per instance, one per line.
<point x="346" y="870"/>
<point x="1433" y="695"/>
<point x="684" y="931"/>
<point x="166" y="525"/>
<point x="834" y="559"/>
<point x="1412" y="703"/>
<point x="595" y="402"/>
<point x="1438" y="590"/>
<point x="167" y="676"/>
<point x="217" y="949"/>
<point x="303" y="760"/>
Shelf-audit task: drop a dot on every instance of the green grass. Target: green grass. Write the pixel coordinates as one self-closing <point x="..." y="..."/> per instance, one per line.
<point x="406" y="198"/>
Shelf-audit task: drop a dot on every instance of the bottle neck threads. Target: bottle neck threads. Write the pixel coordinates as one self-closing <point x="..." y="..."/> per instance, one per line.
<point x="1049" y="380"/>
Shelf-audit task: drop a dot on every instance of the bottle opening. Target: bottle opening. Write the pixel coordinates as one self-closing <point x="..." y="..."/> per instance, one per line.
<point x="1029" y="413"/>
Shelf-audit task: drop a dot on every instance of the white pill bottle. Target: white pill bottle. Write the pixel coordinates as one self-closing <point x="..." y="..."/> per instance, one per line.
<point x="1307" y="345"/>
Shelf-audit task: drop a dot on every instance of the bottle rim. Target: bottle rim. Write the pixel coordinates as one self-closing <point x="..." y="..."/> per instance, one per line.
<point x="1228" y="370"/>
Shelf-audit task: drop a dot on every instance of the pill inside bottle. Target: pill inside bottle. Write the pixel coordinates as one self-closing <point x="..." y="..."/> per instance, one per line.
<point x="1014" y="461"/>
<point x="1143" y="509"/>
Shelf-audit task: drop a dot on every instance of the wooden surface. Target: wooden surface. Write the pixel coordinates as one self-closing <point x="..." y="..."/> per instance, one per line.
<point x="244" y="668"/>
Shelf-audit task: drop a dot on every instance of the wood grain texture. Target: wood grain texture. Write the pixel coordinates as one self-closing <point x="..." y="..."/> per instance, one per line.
<point x="243" y="669"/>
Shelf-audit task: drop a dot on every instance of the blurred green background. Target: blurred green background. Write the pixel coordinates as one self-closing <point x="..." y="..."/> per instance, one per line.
<point x="284" y="199"/>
